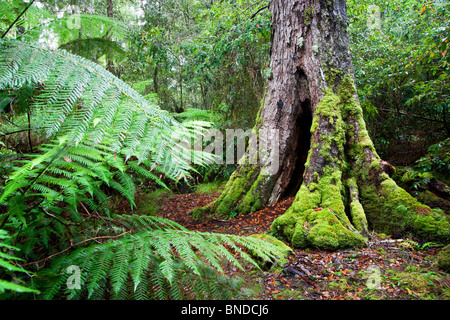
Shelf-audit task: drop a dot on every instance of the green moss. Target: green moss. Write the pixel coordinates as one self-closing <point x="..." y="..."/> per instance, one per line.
<point x="331" y="74"/>
<point x="328" y="113"/>
<point x="347" y="90"/>
<point x="306" y="198"/>
<point x="375" y="164"/>
<point x="284" y="225"/>
<point x="238" y="186"/>
<point x="358" y="216"/>
<point x="150" y="203"/>
<point x="444" y="259"/>
<point x="300" y="232"/>
<point x="357" y="213"/>
<point x="390" y="209"/>
<point x="416" y="281"/>
<point x="319" y="210"/>
<point x="251" y="202"/>
<point x="197" y="213"/>
<point x="323" y="236"/>
<point x="329" y="105"/>
<point x="317" y="217"/>
<point x="340" y="284"/>
<point x="308" y="15"/>
<point x="431" y="226"/>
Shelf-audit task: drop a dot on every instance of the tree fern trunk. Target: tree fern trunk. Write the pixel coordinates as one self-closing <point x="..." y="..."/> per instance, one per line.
<point x="327" y="159"/>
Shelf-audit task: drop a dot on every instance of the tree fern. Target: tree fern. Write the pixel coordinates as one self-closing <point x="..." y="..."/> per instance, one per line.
<point x="94" y="48"/>
<point x="96" y="26"/>
<point x="168" y="263"/>
<point x="68" y="175"/>
<point x="100" y="124"/>
<point x="84" y="101"/>
<point x="72" y="29"/>
<point x="49" y="192"/>
<point x="11" y="9"/>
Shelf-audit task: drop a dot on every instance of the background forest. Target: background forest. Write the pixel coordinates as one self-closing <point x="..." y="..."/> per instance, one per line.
<point x="92" y="94"/>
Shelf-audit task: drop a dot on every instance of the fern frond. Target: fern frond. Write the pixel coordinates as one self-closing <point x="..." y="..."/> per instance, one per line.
<point x="82" y="100"/>
<point x="10" y="10"/>
<point x="99" y="26"/>
<point x="67" y="175"/>
<point x="93" y="48"/>
<point x="6" y="265"/>
<point x="163" y="264"/>
<point x="139" y="223"/>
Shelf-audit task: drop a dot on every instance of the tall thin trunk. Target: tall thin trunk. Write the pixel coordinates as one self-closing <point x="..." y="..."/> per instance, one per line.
<point x="109" y="14"/>
<point x="203" y="93"/>
<point x="155" y="79"/>
<point x="181" y="90"/>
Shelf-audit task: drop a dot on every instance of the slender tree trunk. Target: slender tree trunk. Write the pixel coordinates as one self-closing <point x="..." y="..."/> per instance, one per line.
<point x="109" y="13"/>
<point x="155" y="79"/>
<point x="326" y="157"/>
<point x="181" y="90"/>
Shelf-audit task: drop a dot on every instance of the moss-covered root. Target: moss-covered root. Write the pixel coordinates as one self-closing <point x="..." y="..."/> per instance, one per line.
<point x="317" y="217"/>
<point x="392" y="210"/>
<point x="387" y="207"/>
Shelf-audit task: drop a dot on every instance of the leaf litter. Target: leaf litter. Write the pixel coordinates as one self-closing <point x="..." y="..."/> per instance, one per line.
<point x="387" y="269"/>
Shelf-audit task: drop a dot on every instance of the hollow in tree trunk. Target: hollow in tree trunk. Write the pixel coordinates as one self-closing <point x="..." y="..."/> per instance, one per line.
<point x="326" y="158"/>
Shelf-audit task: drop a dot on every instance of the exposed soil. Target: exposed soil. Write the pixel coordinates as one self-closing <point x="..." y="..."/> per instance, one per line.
<point x="177" y="207"/>
<point x="385" y="269"/>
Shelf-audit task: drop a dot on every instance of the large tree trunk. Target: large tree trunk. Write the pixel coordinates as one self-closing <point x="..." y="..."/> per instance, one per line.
<point x="326" y="157"/>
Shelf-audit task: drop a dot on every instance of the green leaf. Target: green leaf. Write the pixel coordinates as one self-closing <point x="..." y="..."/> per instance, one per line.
<point x="5" y="285"/>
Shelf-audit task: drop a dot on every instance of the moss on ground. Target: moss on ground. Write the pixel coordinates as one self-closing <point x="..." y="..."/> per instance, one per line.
<point x="419" y="283"/>
<point x="149" y="203"/>
<point x="444" y="259"/>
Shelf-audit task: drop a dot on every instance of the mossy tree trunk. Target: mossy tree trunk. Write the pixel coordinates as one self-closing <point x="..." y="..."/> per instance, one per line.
<point x="326" y="157"/>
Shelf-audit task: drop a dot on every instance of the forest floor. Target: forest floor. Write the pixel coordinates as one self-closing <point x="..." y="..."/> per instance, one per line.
<point x="387" y="269"/>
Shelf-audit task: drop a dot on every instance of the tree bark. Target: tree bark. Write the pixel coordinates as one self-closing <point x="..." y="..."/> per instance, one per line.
<point x="326" y="157"/>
